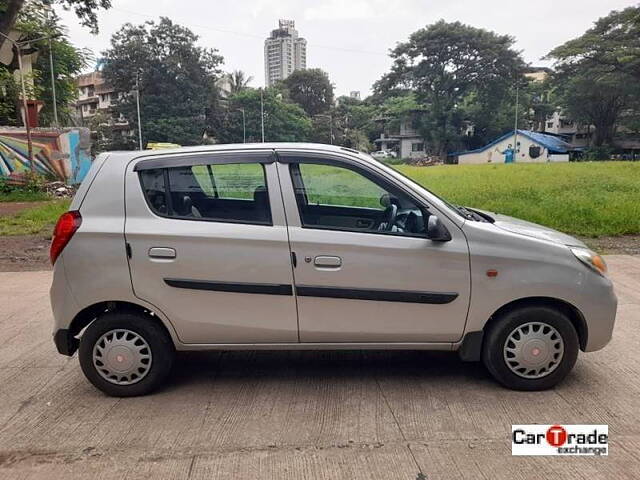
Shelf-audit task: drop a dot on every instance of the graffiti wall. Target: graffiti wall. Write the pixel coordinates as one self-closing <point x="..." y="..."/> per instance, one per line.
<point x="63" y="153"/>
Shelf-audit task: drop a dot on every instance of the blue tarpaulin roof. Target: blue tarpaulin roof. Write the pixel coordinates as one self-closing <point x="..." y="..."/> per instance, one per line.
<point x="550" y="142"/>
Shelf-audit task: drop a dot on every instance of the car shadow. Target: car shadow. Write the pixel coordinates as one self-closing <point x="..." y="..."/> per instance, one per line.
<point x="192" y="368"/>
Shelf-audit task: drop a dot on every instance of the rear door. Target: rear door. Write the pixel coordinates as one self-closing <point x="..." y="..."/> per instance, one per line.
<point x="366" y="271"/>
<point x="209" y="247"/>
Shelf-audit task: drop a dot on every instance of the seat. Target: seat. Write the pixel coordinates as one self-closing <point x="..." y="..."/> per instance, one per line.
<point x="261" y="202"/>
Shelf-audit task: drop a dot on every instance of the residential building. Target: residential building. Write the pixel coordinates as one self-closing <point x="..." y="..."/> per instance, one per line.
<point x="355" y="94"/>
<point x="96" y="96"/>
<point x="284" y="52"/>
<point x="530" y="147"/>
<point x="407" y="142"/>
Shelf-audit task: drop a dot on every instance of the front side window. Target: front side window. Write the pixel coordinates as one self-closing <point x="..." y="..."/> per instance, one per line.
<point x="225" y="192"/>
<point x="340" y="198"/>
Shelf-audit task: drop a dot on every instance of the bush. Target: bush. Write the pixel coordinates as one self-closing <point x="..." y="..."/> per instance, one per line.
<point x="602" y="152"/>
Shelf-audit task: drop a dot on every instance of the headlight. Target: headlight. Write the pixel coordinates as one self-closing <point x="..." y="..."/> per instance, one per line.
<point x="591" y="260"/>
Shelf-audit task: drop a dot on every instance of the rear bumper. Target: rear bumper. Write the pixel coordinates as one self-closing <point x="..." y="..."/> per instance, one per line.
<point x="65" y="343"/>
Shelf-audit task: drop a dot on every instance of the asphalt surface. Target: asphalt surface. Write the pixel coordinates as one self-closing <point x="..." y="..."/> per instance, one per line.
<point x="294" y="415"/>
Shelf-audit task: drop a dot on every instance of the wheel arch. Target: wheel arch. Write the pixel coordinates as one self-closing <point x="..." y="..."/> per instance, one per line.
<point x="470" y="349"/>
<point x="574" y="315"/>
<point x="88" y="314"/>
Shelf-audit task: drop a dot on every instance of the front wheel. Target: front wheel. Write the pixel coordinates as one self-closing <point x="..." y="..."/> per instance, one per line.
<point x="530" y="348"/>
<point x="125" y="354"/>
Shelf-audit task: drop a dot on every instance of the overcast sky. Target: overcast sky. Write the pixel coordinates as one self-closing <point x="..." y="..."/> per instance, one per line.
<point x="349" y="39"/>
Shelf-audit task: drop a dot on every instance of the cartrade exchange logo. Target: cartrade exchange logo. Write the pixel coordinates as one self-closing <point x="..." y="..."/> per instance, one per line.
<point x="560" y="440"/>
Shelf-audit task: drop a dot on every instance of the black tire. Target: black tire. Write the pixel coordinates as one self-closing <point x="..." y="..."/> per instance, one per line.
<point x="160" y="344"/>
<point x="496" y="336"/>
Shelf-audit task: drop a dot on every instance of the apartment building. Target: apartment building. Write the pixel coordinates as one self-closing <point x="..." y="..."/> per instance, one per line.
<point x="284" y="52"/>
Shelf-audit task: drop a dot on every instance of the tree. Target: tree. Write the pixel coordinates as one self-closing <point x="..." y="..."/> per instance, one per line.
<point x="238" y="81"/>
<point x="443" y="64"/>
<point x="68" y="61"/>
<point x="597" y="74"/>
<point x="613" y="44"/>
<point x="592" y="95"/>
<point x="174" y="76"/>
<point x="283" y="121"/>
<point x="311" y="89"/>
<point x="84" y="9"/>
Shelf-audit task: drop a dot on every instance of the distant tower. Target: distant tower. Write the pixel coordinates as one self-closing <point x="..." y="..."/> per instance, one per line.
<point x="284" y="52"/>
<point x="355" y="94"/>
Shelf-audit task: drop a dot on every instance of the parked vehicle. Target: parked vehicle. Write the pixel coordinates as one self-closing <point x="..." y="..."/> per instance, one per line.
<point x="302" y="246"/>
<point x="382" y="154"/>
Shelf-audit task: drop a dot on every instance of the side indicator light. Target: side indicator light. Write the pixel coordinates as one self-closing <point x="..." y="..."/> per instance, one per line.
<point x="491" y="273"/>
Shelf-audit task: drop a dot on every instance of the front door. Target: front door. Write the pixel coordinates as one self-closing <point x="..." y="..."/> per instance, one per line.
<point x="209" y="247"/>
<point x="365" y="271"/>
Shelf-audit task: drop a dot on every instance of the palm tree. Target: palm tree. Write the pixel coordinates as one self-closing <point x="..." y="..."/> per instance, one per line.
<point x="238" y="81"/>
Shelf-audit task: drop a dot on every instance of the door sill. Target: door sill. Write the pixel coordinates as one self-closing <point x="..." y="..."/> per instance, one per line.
<point x="447" y="346"/>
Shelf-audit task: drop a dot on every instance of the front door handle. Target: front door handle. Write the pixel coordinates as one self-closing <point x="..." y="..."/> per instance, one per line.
<point x="327" y="261"/>
<point x="162" y="252"/>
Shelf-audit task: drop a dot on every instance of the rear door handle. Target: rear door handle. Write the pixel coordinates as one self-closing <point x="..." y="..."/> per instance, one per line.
<point x="327" y="261"/>
<point x="162" y="252"/>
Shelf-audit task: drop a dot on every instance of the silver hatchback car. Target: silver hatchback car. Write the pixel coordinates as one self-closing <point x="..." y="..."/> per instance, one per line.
<point x="303" y="246"/>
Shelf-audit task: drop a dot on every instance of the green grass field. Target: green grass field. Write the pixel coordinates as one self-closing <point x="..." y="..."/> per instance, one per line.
<point x="590" y="198"/>
<point x="39" y="219"/>
<point x="21" y="196"/>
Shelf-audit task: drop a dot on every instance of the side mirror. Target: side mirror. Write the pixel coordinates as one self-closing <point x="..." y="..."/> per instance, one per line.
<point x="436" y="231"/>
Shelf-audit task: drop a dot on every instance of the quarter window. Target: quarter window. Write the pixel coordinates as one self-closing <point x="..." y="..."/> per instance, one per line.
<point x="224" y="192"/>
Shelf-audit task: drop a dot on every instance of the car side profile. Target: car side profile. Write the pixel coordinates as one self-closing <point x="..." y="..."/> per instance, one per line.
<point x="304" y="246"/>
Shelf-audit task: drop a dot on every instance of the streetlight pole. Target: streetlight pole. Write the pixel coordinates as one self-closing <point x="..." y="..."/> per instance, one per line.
<point x="138" y="112"/>
<point x="515" y="127"/>
<point x="262" y="114"/>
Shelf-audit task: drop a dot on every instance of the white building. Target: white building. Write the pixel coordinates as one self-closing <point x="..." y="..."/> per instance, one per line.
<point x="531" y="147"/>
<point x="407" y="143"/>
<point x="284" y="52"/>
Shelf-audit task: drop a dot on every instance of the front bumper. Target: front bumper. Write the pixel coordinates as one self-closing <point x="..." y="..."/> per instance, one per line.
<point x="599" y="308"/>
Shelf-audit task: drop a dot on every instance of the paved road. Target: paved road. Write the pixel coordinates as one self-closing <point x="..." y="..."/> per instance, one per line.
<point x="294" y="415"/>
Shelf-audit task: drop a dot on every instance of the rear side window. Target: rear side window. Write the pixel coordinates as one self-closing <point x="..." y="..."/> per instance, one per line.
<point x="234" y="193"/>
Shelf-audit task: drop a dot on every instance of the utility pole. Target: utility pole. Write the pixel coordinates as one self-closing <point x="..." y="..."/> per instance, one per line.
<point x="138" y="111"/>
<point x="244" y="127"/>
<point x="53" y="87"/>
<point x="26" y="110"/>
<point x="330" y="126"/>
<point x="53" y="82"/>
<point x="262" y="114"/>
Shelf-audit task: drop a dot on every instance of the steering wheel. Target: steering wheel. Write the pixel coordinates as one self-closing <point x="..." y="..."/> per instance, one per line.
<point x="390" y="215"/>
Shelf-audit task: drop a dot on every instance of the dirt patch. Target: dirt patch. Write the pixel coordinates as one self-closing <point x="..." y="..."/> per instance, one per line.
<point x="11" y="208"/>
<point x="625" y="244"/>
<point x="23" y="253"/>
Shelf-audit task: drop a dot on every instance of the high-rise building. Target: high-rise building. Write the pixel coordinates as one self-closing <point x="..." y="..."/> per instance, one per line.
<point x="284" y="52"/>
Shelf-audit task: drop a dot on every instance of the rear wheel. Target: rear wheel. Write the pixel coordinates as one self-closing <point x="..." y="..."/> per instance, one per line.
<point x="530" y="348"/>
<point x="125" y="354"/>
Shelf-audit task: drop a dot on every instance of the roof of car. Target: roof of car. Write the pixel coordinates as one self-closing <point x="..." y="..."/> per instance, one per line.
<point x="131" y="154"/>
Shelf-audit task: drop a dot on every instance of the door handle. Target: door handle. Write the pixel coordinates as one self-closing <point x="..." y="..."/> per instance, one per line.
<point x="162" y="252"/>
<point x="327" y="261"/>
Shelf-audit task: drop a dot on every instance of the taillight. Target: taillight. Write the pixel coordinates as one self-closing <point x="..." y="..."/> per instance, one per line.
<point x="67" y="225"/>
